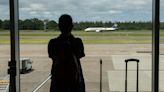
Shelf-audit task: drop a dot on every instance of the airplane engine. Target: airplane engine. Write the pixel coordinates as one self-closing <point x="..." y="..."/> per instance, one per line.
<point x="98" y="30"/>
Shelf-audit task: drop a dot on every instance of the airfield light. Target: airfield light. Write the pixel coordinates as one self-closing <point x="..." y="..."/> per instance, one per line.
<point x="45" y="24"/>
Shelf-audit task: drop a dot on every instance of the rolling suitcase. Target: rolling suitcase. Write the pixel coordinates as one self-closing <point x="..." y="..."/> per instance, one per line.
<point x="126" y="61"/>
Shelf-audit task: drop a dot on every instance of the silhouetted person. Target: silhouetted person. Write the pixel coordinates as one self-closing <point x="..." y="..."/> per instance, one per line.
<point x="65" y="52"/>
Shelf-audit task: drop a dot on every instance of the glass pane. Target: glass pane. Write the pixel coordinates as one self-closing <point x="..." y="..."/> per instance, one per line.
<point x="161" y="62"/>
<point x="35" y="64"/>
<point x="130" y="39"/>
<point x="36" y="71"/>
<point x="4" y="58"/>
<point x="4" y="45"/>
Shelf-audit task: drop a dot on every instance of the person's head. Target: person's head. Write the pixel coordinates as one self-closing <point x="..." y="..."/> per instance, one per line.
<point x="65" y="23"/>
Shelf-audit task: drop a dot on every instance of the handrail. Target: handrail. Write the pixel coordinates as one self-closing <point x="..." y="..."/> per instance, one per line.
<point x="41" y="84"/>
<point x="7" y="88"/>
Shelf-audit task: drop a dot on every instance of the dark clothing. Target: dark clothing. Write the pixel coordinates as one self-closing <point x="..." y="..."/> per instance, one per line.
<point x="63" y="81"/>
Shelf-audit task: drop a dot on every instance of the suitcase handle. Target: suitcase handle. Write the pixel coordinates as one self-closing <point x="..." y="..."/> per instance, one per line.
<point x="132" y="59"/>
<point x="126" y="61"/>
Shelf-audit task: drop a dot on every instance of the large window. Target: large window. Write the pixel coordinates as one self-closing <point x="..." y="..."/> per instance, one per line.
<point x="132" y="38"/>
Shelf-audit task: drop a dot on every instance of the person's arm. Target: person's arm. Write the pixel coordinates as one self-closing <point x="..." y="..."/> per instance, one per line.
<point x="81" y="48"/>
<point x="50" y="49"/>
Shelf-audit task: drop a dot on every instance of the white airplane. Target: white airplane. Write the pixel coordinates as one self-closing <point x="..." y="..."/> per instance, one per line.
<point x="101" y="29"/>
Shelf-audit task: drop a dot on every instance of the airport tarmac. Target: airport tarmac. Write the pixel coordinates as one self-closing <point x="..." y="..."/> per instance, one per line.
<point x="113" y="56"/>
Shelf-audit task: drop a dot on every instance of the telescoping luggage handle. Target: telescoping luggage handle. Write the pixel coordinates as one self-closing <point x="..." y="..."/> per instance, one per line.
<point x="126" y="61"/>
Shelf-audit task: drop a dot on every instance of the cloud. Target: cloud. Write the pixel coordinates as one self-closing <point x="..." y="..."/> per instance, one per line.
<point x="4" y="2"/>
<point x="4" y="9"/>
<point x="37" y="7"/>
<point x="86" y="10"/>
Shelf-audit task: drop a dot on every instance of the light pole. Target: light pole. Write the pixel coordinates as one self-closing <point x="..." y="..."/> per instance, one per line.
<point x="45" y="24"/>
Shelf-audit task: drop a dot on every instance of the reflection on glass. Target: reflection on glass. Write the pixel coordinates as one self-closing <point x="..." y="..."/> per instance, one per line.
<point x="161" y="61"/>
<point x="4" y="58"/>
<point x="38" y="65"/>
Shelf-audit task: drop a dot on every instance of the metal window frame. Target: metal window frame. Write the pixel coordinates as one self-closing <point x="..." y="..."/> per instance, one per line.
<point x="15" y="52"/>
<point x="155" y="44"/>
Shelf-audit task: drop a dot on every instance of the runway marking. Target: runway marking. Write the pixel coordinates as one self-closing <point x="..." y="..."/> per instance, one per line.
<point x="144" y="64"/>
<point x="98" y="55"/>
<point x="116" y="80"/>
<point x="4" y="81"/>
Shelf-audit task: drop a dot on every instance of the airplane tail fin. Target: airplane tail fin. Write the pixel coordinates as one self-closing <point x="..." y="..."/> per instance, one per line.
<point x="115" y="25"/>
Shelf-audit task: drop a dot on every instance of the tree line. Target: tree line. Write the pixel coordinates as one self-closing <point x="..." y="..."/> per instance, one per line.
<point x="37" y="24"/>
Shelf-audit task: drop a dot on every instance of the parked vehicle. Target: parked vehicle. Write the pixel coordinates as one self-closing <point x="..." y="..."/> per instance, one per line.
<point x="25" y="65"/>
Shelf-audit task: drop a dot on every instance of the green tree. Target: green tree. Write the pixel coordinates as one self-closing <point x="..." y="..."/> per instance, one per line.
<point x="20" y="24"/>
<point x="52" y="25"/>
<point x="162" y="25"/>
<point x="32" y="24"/>
<point x="37" y="24"/>
<point x="6" y="24"/>
<point x="1" y="24"/>
<point x="27" y="24"/>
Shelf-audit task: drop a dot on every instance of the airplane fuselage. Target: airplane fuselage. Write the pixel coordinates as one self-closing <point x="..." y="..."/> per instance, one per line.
<point x="99" y="29"/>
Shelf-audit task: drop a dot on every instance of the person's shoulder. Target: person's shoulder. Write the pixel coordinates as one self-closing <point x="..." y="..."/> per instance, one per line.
<point x="78" y="39"/>
<point x="53" y="40"/>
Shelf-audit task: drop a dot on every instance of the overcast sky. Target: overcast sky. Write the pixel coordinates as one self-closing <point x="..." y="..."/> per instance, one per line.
<point x="84" y="10"/>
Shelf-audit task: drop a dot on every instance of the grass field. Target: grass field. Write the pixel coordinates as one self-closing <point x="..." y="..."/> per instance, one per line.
<point x="113" y="37"/>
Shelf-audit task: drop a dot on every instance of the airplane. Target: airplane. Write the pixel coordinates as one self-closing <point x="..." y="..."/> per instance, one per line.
<point x="101" y="29"/>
